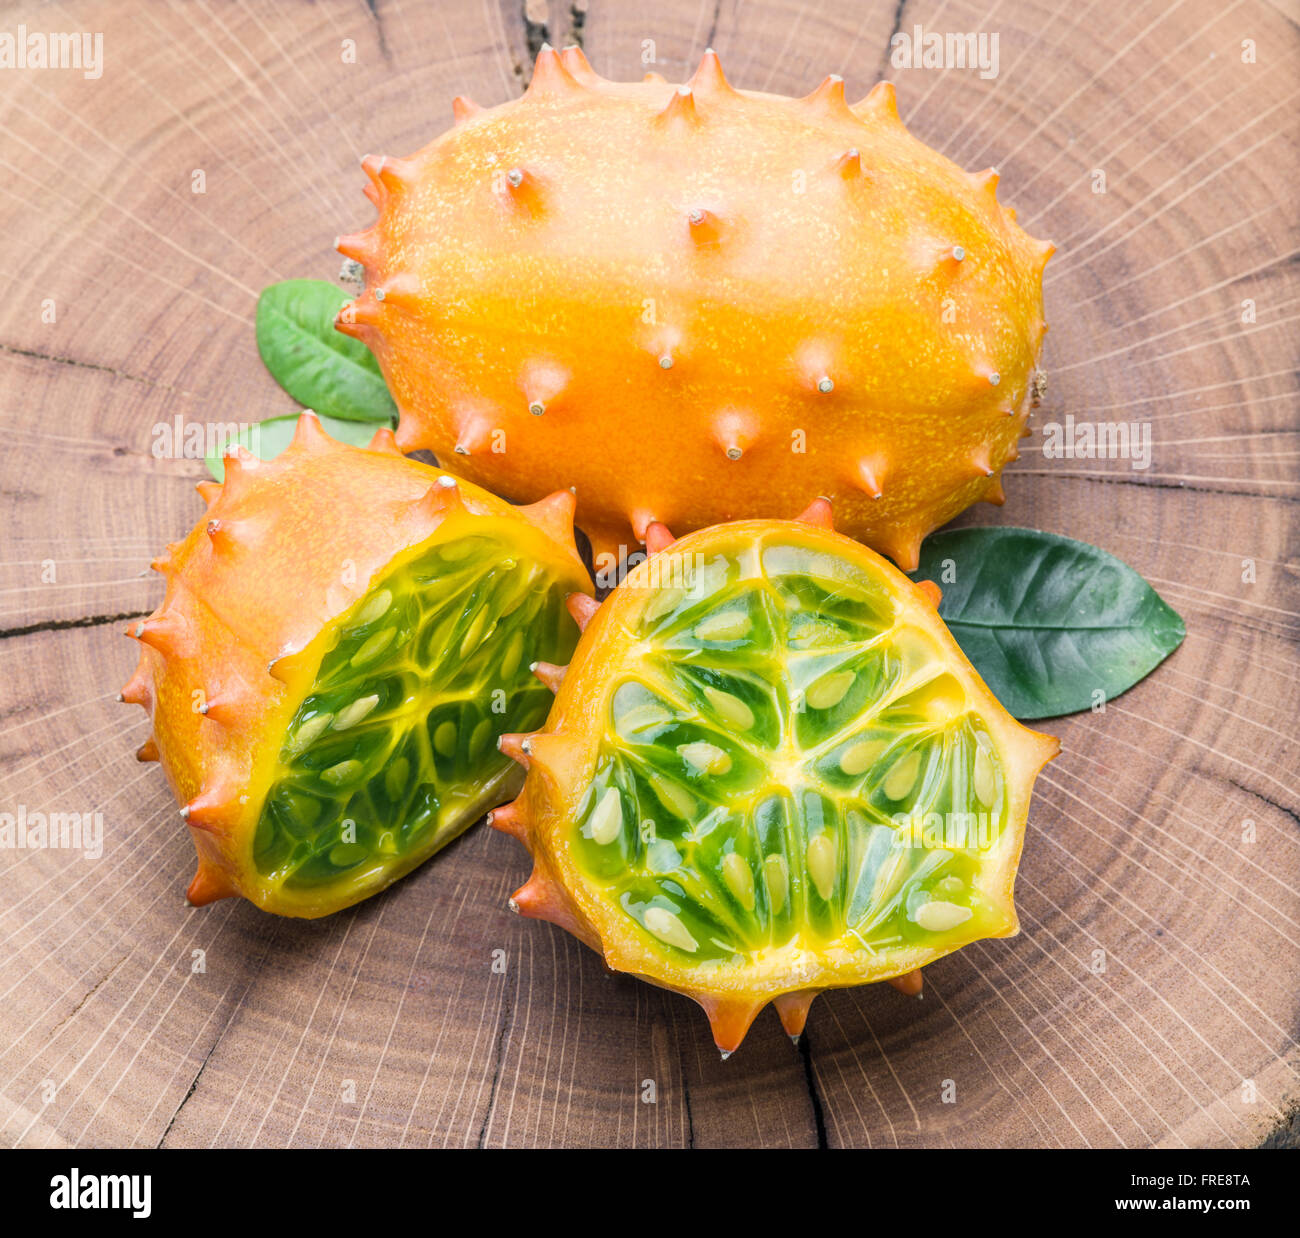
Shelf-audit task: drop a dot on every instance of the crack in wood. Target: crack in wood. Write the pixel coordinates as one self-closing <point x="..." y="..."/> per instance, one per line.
<point x="814" y="1096"/>
<point x="1259" y="795"/>
<point x="235" y="1008"/>
<point x="72" y="1014"/>
<point x="34" y="354"/>
<point x="889" y="42"/>
<point x="64" y="625"/>
<point x="578" y="18"/>
<point x="372" y="6"/>
<point x="536" y="17"/>
<point x="711" y="37"/>
<point x="498" y="1058"/>
<point x="1184" y="486"/>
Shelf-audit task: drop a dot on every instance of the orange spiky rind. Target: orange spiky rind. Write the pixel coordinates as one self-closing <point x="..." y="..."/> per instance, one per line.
<point x="932" y="592"/>
<point x="709" y="80"/>
<point x="575" y="61"/>
<point x="880" y="102"/>
<point x="550" y="674"/>
<point x="285" y="553"/>
<point x="849" y="164"/>
<point x="464" y="108"/>
<point x="911" y="983"/>
<point x="551" y="77"/>
<point x="570" y="814"/>
<point x="820" y="513"/>
<point x="828" y="99"/>
<point x="679" y="111"/>
<point x="582" y="608"/>
<point x="467" y="367"/>
<point x="658" y="537"/>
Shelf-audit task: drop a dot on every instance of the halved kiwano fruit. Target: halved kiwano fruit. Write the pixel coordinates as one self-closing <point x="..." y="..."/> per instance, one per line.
<point x="769" y="771"/>
<point x="345" y="635"/>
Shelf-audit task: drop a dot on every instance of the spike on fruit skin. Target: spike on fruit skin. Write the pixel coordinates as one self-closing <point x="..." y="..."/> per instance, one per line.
<point x="554" y="516"/>
<point x="871" y="474"/>
<point x="880" y="102"/>
<point x="209" y="491"/>
<point x="770" y="911"/>
<point x="362" y="247"/>
<point x="473" y="433"/>
<point x="910" y="984"/>
<point x="551" y="79"/>
<point x="933" y="594"/>
<point x="136" y="689"/>
<point x="849" y="164"/>
<point x="550" y="674"/>
<point x="508" y="318"/>
<point x="582" y="608"/>
<point x="464" y="108"/>
<point x="735" y="432"/>
<point x="574" y="59"/>
<point x="641" y="519"/>
<point x="680" y="111"/>
<point x="509" y="820"/>
<point x="523" y="191"/>
<point x="705" y="227"/>
<point x="389" y="175"/>
<point x="437" y="503"/>
<point x="541" y="899"/>
<point x="211" y="809"/>
<point x="658" y="537"/>
<point x="709" y="80"/>
<point x="543" y="383"/>
<point x="148" y="751"/>
<point x="828" y="99"/>
<point x="231" y="662"/>
<point x="516" y="747"/>
<point x="210" y="884"/>
<point x="793" y="1011"/>
<point x="820" y="513"/>
<point x="384" y="441"/>
<point x="163" y="632"/>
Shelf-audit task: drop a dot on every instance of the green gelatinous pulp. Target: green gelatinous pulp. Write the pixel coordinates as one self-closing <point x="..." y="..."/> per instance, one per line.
<point x="389" y="754"/>
<point x="789" y="757"/>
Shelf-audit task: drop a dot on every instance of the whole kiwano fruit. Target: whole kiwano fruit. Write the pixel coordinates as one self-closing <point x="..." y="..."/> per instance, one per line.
<point x="345" y="635"/>
<point x="770" y="771"/>
<point x="764" y="297"/>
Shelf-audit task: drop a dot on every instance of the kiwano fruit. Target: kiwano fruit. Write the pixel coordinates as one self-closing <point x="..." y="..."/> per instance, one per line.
<point x="345" y="634"/>
<point x="769" y="771"/>
<point x="770" y="297"/>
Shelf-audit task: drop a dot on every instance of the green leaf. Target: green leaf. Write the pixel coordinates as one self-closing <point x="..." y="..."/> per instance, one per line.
<point x="1046" y="620"/>
<point x="319" y="366"/>
<point x="269" y="438"/>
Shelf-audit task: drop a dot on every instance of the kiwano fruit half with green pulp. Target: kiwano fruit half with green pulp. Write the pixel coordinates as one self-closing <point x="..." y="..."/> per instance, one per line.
<point x="780" y="297"/>
<point x="345" y="635"/>
<point x="768" y="771"/>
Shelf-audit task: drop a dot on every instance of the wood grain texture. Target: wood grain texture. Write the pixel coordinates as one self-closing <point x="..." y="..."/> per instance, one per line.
<point x="1165" y="836"/>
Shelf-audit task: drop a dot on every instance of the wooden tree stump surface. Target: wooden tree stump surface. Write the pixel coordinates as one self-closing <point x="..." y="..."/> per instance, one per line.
<point x="1151" y="996"/>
